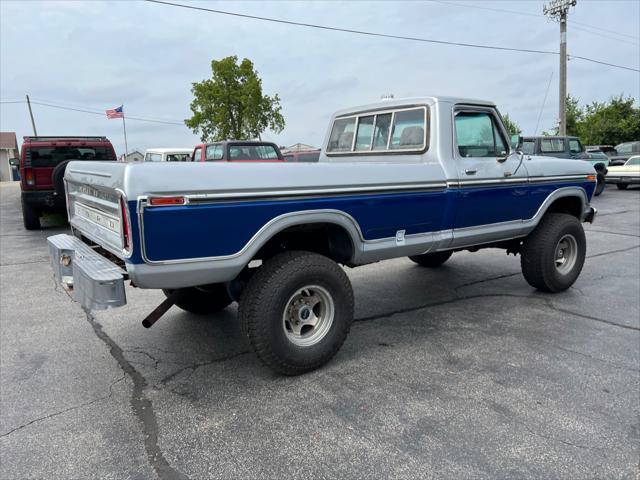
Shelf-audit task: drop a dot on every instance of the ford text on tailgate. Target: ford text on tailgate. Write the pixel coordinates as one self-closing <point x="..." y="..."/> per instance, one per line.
<point x="420" y="178"/>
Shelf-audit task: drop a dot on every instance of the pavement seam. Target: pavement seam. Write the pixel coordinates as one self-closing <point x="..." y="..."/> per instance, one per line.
<point x="141" y="405"/>
<point x="486" y="295"/>
<point x="76" y="407"/>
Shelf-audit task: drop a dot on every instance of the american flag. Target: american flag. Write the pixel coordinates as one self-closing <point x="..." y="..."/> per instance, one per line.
<point x="115" y="112"/>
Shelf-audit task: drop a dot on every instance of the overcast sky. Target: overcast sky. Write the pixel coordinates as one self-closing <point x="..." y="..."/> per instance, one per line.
<point x="98" y="55"/>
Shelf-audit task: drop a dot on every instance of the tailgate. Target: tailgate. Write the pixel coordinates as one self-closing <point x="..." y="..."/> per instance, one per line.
<point x="95" y="202"/>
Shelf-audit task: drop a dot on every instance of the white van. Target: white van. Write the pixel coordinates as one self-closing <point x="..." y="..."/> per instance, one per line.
<point x="168" y="155"/>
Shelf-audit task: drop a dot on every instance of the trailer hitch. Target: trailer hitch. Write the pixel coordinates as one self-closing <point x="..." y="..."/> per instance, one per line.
<point x="161" y="309"/>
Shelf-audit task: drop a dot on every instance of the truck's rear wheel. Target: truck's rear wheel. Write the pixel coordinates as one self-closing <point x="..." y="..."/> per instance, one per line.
<point x="600" y="183"/>
<point x="30" y="217"/>
<point x="553" y="254"/>
<point x="297" y="310"/>
<point x="204" y="299"/>
<point x="431" y="260"/>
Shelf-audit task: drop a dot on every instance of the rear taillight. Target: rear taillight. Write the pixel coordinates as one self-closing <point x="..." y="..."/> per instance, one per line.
<point x="29" y="179"/>
<point x="125" y="228"/>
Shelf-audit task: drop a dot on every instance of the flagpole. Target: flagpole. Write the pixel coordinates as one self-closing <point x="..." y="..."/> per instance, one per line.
<point x="124" y="129"/>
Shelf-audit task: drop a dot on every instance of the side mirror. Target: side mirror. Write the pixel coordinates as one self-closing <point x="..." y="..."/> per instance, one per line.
<point x="14" y="162"/>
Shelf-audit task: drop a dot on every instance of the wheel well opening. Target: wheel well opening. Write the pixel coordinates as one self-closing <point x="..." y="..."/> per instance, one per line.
<point x="570" y="205"/>
<point x="327" y="239"/>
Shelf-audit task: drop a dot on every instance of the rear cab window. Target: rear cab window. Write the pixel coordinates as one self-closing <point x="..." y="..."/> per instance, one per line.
<point x="153" y="157"/>
<point x="252" y="152"/>
<point x="403" y="129"/>
<point x="52" y="156"/>
<point x="552" y="145"/>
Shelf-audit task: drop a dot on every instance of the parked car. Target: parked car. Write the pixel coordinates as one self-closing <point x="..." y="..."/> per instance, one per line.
<point x="396" y="178"/>
<point x="237" y="151"/>
<point x="624" y="151"/>
<point x="42" y="165"/>
<point x="625" y="175"/>
<point x="303" y="156"/>
<point x="567" y="147"/>
<point x="167" y="155"/>
<point x="608" y="150"/>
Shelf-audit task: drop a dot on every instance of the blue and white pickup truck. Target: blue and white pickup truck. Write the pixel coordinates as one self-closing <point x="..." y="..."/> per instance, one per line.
<point x="421" y="177"/>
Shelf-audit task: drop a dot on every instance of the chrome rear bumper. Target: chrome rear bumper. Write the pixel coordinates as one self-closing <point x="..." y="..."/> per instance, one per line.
<point x="96" y="282"/>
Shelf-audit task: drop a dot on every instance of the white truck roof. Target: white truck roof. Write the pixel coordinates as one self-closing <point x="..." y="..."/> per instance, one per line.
<point x="399" y="102"/>
<point x="169" y="150"/>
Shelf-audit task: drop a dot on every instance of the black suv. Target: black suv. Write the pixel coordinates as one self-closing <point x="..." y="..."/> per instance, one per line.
<point x="42" y="164"/>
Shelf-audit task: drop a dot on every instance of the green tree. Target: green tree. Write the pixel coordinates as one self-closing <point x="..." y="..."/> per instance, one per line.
<point x="599" y="123"/>
<point x="512" y="127"/>
<point x="231" y="105"/>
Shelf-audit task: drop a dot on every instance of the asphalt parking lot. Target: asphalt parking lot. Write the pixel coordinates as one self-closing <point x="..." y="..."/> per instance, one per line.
<point x="459" y="372"/>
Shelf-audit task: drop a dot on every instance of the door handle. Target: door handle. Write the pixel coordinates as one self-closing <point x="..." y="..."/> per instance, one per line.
<point x="507" y="174"/>
<point x="470" y="171"/>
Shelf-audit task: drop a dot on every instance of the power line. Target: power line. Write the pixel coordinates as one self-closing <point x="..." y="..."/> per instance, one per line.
<point x="543" y="102"/>
<point x="93" y="112"/>
<point x="527" y="14"/>
<point x="383" y="35"/>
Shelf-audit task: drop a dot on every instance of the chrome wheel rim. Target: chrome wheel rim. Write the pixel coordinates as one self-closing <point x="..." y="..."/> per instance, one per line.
<point x="566" y="254"/>
<point x="308" y="315"/>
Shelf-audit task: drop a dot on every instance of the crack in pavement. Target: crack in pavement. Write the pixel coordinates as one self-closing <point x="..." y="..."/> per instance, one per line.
<point x="194" y="366"/>
<point x="55" y="414"/>
<point x="24" y="263"/>
<point x="613" y="233"/>
<point x="488" y="295"/>
<point x="142" y="406"/>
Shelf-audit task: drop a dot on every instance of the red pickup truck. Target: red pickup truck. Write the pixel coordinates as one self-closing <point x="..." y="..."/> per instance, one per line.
<point x="237" y="151"/>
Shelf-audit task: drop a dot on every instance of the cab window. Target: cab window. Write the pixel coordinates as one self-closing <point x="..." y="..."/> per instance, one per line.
<point x="197" y="154"/>
<point x="341" y="137"/>
<point x="552" y="145"/>
<point x="477" y="135"/>
<point x="213" y="152"/>
<point x="528" y="147"/>
<point x="574" y="146"/>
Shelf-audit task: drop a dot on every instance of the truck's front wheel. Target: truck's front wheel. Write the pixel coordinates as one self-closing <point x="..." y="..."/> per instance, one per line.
<point x="553" y="254"/>
<point x="202" y="300"/>
<point x="297" y="311"/>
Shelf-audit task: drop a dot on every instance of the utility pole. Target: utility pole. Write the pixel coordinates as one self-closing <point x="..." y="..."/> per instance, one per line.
<point x="33" y="123"/>
<point x="558" y="9"/>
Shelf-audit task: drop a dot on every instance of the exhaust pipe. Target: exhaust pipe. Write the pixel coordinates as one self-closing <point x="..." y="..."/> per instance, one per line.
<point x="161" y="309"/>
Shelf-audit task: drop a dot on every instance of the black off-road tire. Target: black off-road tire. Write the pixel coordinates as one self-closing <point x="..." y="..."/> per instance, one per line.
<point x="266" y="297"/>
<point x="30" y="216"/>
<point x="622" y="186"/>
<point x="600" y="183"/>
<point x="203" y="300"/>
<point x="540" y="249"/>
<point x="431" y="260"/>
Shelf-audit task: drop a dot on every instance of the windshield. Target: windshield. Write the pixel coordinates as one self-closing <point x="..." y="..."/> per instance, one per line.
<point x="52" y="156"/>
<point x="633" y="161"/>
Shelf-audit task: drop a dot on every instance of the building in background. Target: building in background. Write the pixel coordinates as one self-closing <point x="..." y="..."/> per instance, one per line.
<point x="297" y="147"/>
<point x="134" y="156"/>
<point x="8" y="150"/>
